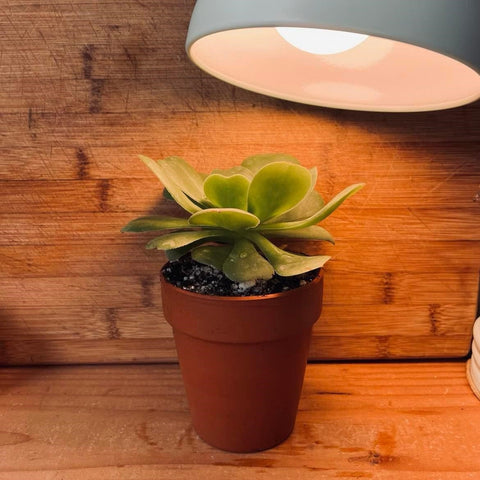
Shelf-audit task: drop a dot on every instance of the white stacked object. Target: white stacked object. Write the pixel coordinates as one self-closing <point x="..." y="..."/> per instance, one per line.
<point x="473" y="366"/>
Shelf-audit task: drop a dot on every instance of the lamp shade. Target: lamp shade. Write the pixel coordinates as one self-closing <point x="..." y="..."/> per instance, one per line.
<point x="379" y="55"/>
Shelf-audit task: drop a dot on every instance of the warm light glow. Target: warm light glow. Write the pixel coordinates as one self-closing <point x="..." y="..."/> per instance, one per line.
<point x="319" y="41"/>
<point x="377" y="74"/>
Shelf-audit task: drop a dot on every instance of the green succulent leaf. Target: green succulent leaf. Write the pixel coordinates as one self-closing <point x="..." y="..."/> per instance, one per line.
<point x="313" y="232"/>
<point x="286" y="263"/>
<point x="245" y="264"/>
<point x="323" y="213"/>
<point x="213" y="255"/>
<point x="155" y="222"/>
<point x="169" y="172"/>
<point x="184" y="176"/>
<point x="310" y="205"/>
<point x="227" y="218"/>
<point x="227" y="191"/>
<point x="257" y="162"/>
<point x="236" y="170"/>
<point x="166" y="195"/>
<point x="176" y="253"/>
<point x="175" y="240"/>
<point x="277" y="188"/>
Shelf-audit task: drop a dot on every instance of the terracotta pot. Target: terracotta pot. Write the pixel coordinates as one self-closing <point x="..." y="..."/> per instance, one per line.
<point x="243" y="360"/>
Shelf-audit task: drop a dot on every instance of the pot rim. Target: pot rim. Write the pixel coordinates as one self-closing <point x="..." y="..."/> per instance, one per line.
<point x="247" y="298"/>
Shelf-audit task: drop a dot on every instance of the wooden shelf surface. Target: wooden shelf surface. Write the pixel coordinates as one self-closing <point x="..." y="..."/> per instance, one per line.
<point x="366" y="420"/>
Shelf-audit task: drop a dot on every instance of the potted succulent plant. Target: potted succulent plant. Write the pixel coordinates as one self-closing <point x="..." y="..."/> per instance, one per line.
<point x="242" y="349"/>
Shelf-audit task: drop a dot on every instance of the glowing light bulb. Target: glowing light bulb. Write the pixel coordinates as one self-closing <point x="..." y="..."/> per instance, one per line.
<point x="319" y="41"/>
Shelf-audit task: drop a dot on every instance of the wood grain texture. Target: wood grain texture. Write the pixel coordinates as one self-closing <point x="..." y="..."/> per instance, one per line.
<point x="85" y="86"/>
<point x="382" y="421"/>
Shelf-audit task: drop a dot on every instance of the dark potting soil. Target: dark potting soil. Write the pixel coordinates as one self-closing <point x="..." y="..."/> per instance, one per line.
<point x="195" y="277"/>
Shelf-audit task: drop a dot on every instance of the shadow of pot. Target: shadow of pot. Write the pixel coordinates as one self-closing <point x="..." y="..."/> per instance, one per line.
<point x="243" y="361"/>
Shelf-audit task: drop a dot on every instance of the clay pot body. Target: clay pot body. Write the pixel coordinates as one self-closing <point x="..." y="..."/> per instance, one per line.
<point x="243" y="361"/>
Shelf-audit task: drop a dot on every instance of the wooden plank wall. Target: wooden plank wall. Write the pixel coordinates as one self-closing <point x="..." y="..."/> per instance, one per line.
<point x="86" y="85"/>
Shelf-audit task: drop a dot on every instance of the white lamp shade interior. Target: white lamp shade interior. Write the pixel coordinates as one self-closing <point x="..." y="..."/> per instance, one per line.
<point x="370" y="73"/>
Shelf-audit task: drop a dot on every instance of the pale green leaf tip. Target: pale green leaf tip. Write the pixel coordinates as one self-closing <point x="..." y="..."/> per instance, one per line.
<point x="129" y="227"/>
<point x="145" y="159"/>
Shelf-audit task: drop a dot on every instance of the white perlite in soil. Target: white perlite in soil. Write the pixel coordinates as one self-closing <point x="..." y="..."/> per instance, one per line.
<point x="195" y="277"/>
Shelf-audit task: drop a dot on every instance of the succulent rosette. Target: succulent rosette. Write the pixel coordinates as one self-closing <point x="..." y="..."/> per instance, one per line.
<point x="235" y="214"/>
